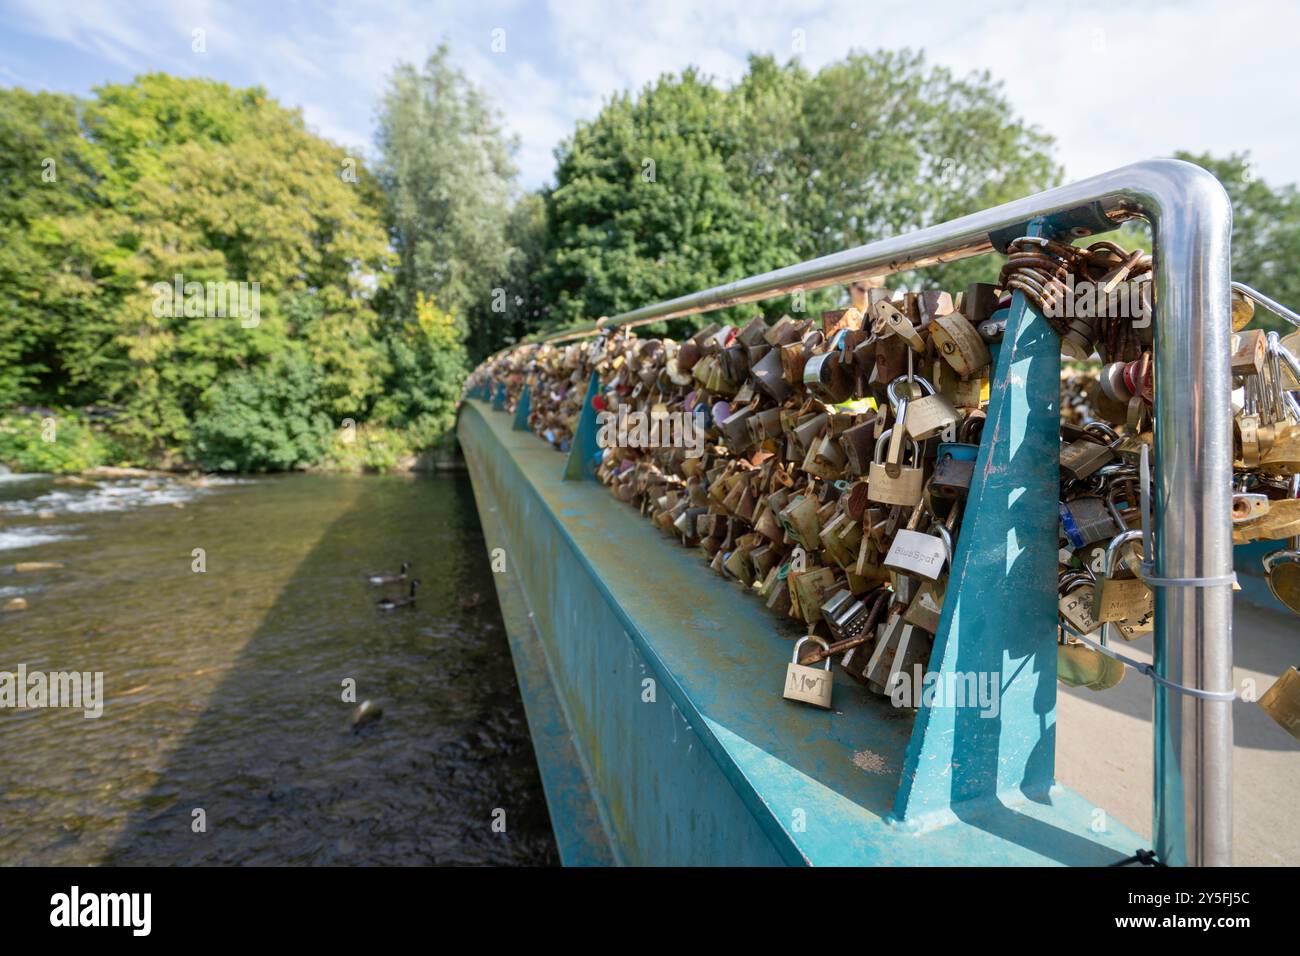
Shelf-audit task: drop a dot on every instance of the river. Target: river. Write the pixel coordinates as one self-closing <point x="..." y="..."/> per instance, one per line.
<point x="225" y="737"/>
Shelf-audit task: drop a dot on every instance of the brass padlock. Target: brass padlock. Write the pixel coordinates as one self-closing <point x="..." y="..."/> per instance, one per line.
<point x="922" y="417"/>
<point x="1120" y="599"/>
<point x="907" y="488"/>
<point x="1079" y="665"/>
<point x="808" y="684"/>
<point x="1283" y="571"/>
<point x="1075" y="602"/>
<point x="959" y="344"/>
<point x="1282" y="702"/>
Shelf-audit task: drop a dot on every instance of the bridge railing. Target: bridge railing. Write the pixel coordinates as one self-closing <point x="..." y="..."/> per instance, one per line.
<point x="1003" y="573"/>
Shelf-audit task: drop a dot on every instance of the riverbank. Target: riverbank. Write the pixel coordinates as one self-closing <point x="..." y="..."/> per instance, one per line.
<point x="75" y="442"/>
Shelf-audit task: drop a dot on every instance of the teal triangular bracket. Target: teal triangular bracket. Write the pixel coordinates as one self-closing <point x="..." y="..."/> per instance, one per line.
<point x="523" y="408"/>
<point x="585" y="451"/>
<point x="999" y="621"/>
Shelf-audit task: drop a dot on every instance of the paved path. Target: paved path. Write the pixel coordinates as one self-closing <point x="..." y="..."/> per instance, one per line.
<point x="1104" y="743"/>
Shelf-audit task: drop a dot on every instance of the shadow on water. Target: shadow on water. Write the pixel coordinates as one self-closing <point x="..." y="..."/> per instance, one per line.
<point x="271" y="760"/>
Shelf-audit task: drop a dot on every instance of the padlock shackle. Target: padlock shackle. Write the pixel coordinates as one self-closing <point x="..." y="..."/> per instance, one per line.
<point x="816" y="640"/>
<point x="892" y="389"/>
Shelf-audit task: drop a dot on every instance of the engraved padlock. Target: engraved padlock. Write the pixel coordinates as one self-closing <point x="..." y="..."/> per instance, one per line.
<point x="808" y="684"/>
<point x="1075" y="590"/>
<point x="1114" y="599"/>
<point x="919" y="553"/>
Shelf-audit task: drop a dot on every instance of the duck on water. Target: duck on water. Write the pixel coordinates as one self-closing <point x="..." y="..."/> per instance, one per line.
<point x="389" y="603"/>
<point x="388" y="577"/>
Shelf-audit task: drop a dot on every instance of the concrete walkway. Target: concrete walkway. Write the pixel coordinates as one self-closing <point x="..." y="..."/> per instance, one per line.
<point x="1104" y="743"/>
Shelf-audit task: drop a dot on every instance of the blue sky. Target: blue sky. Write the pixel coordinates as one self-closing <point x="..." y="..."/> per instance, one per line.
<point x="1113" y="82"/>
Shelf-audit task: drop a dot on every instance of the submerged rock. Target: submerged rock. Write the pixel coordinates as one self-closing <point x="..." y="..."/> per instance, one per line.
<point x="16" y="604"/>
<point x="25" y="567"/>
<point x="367" y="713"/>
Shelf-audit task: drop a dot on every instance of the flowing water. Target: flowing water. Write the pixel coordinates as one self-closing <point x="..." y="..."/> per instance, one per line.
<point x="225" y="736"/>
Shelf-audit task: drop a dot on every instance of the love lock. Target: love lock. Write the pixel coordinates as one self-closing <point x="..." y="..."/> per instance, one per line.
<point x="808" y="684"/>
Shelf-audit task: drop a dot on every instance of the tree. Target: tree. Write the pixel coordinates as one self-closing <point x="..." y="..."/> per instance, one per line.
<point x="446" y="168"/>
<point x="164" y="178"/>
<point x="1265" y="232"/>
<point x="688" y="185"/>
<point x="427" y="359"/>
<point x="46" y="185"/>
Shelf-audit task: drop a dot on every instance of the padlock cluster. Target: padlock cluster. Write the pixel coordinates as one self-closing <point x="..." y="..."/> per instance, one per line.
<point x="1107" y="419"/>
<point x="835" y="455"/>
<point x="832" y="457"/>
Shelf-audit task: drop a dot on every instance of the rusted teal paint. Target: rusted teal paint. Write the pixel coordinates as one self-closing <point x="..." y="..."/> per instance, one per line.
<point x="714" y="767"/>
<point x="1000" y="616"/>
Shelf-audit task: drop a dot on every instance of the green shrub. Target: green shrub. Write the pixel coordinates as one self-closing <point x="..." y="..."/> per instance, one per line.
<point x="54" y="441"/>
<point x="263" y="419"/>
<point x="370" y="448"/>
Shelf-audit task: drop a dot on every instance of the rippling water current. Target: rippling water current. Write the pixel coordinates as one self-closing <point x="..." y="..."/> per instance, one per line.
<point x="224" y="688"/>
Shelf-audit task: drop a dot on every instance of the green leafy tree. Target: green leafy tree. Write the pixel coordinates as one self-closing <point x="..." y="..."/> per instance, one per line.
<point x="1265" y="231"/>
<point x="166" y="177"/>
<point x="428" y="367"/>
<point x="687" y="185"/>
<point x="445" y="165"/>
<point x="47" y="291"/>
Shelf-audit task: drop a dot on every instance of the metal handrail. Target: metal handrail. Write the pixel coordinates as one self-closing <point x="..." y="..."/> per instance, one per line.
<point x="1191" y="219"/>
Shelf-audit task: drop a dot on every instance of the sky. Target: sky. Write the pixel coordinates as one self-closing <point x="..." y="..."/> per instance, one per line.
<point x="1112" y="82"/>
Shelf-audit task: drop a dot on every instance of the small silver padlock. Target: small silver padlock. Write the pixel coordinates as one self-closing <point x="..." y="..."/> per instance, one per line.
<point x="808" y="684"/>
<point x="919" y="553"/>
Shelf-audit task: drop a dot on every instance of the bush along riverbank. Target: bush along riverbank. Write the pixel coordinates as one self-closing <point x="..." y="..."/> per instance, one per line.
<point x="84" y="442"/>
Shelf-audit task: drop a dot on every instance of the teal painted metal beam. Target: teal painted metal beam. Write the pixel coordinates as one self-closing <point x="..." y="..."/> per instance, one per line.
<point x="523" y="409"/>
<point x="1000" y="618"/>
<point x="717" y="768"/>
<point x="584" y="453"/>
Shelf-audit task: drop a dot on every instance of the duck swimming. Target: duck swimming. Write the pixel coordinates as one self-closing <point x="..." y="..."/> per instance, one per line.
<point x="389" y="603"/>
<point x="388" y="577"/>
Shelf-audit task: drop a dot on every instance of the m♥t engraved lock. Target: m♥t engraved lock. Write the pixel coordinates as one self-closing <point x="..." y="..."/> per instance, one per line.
<point x="808" y="684"/>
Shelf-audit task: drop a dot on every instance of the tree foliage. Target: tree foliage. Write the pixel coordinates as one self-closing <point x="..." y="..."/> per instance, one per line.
<point x="687" y="184"/>
<point x="446" y="168"/>
<point x="1265" y="231"/>
<point x="167" y="177"/>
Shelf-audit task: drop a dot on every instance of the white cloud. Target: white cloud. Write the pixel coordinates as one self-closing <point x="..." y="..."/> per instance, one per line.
<point x="1113" y="82"/>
